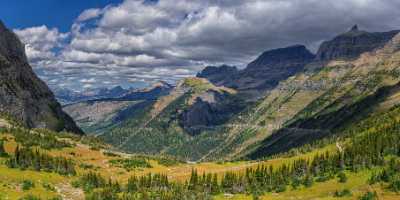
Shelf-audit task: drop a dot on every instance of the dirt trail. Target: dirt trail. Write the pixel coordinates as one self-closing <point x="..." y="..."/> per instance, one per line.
<point x="68" y="192"/>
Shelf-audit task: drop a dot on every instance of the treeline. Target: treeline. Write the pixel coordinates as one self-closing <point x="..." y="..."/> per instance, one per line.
<point x="38" y="137"/>
<point x="26" y="158"/>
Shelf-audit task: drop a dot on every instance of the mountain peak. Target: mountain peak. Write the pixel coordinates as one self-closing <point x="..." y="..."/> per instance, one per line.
<point x="352" y="44"/>
<point x="2" y="26"/>
<point x="354" y="28"/>
<point x="161" y="84"/>
<point x="272" y="58"/>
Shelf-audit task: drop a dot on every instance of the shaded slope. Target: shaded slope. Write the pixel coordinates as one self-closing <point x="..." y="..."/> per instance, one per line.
<point x="22" y="94"/>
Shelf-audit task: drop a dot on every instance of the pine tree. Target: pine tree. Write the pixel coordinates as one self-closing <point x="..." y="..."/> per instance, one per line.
<point x="3" y="152"/>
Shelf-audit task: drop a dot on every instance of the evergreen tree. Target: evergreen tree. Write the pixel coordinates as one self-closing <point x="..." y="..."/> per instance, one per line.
<point x="3" y="152"/>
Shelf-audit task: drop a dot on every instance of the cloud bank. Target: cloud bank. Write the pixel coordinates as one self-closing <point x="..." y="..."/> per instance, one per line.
<point x="141" y="41"/>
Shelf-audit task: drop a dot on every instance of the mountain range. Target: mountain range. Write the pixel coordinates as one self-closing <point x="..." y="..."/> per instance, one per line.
<point x="285" y="98"/>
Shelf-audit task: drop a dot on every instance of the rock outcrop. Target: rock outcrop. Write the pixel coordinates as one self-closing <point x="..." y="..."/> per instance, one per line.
<point x="22" y="94"/>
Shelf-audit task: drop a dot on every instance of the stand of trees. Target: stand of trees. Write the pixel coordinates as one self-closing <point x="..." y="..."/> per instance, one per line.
<point x="26" y="158"/>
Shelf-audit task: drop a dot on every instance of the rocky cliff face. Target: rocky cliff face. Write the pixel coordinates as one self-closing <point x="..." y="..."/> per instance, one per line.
<point x="210" y="109"/>
<point x="22" y="94"/>
<point x="273" y="66"/>
<point x="352" y="44"/>
<point x="218" y="75"/>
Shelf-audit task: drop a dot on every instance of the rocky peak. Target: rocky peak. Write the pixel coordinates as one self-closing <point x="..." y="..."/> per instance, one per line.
<point x="217" y="75"/>
<point x="263" y="73"/>
<point x="269" y="68"/>
<point x="22" y="94"/>
<point x="352" y="44"/>
<point x="283" y="56"/>
<point x="354" y="28"/>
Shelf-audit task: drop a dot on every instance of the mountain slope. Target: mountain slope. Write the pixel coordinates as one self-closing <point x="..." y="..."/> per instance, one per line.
<point x="174" y="122"/>
<point x="22" y="94"/>
<point x="370" y="84"/>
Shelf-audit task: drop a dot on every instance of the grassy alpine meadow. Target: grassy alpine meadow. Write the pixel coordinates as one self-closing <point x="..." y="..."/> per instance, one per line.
<point x="117" y="169"/>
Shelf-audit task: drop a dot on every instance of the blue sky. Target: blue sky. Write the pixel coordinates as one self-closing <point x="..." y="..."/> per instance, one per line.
<point x="53" y="13"/>
<point x="82" y="44"/>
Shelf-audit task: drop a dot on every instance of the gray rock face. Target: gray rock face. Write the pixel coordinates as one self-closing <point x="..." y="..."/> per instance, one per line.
<point x="210" y="110"/>
<point x="22" y="94"/>
<point x="352" y="44"/>
<point x="263" y="73"/>
<point x="273" y="66"/>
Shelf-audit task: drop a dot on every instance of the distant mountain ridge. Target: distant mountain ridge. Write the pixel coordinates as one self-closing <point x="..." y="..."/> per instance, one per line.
<point x="23" y="95"/>
<point x="352" y="44"/>
<point x="67" y="96"/>
<point x="96" y="115"/>
<point x="263" y="73"/>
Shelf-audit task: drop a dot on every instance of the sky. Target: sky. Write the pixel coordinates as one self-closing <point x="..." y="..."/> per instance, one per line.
<point x="97" y="43"/>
